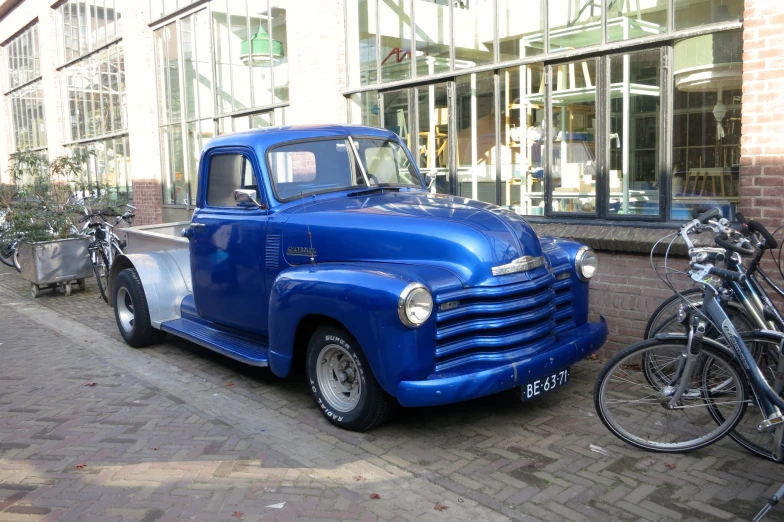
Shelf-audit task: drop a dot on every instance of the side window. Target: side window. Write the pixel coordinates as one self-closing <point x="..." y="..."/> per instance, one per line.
<point x="228" y="172"/>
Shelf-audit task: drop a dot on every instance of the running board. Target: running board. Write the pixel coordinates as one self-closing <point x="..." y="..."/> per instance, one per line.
<point x="240" y="348"/>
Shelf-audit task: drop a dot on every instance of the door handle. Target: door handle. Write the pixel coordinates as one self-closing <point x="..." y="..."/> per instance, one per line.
<point x="197" y="225"/>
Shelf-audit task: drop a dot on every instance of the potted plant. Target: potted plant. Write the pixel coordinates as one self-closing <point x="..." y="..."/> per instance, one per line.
<point x="49" y="251"/>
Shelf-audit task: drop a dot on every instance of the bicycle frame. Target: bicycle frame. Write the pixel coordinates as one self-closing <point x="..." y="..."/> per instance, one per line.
<point x="770" y="403"/>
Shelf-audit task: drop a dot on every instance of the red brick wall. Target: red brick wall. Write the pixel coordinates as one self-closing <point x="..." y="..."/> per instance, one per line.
<point x="626" y="291"/>
<point x="762" y="126"/>
<point x="147" y="200"/>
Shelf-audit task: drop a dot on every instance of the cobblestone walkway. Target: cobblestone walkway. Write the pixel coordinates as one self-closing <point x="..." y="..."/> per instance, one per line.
<point x="91" y="429"/>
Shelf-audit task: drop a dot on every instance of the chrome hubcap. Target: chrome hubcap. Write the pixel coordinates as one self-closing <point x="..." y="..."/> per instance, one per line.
<point x="338" y="378"/>
<point x="124" y="306"/>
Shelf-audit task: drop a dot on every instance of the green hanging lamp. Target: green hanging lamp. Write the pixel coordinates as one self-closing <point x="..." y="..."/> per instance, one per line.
<point x="259" y="48"/>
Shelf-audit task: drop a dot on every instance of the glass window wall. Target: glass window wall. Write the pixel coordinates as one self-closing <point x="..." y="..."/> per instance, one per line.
<point x="25" y="98"/>
<point x="217" y="68"/>
<point x="691" y="13"/>
<point x="573" y="24"/>
<point x="107" y="167"/>
<point x="627" y="20"/>
<point x="395" y="29"/>
<point x="433" y="36"/>
<point x="85" y="25"/>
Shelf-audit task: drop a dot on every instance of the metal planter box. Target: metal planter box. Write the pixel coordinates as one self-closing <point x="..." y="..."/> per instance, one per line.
<point x="56" y="263"/>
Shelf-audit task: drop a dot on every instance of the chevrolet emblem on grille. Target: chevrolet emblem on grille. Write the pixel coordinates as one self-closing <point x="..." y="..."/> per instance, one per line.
<point x="521" y="264"/>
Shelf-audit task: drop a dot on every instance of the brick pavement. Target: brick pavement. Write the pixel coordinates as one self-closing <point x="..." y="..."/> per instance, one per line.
<point x="163" y="436"/>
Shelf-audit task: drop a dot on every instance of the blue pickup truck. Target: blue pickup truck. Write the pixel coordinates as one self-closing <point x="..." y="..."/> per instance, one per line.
<point x="323" y="247"/>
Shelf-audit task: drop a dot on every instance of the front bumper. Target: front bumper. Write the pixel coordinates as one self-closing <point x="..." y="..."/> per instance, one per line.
<point x="573" y="346"/>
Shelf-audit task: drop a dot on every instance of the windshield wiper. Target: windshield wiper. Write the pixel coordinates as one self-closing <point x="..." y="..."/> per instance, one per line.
<point x="378" y="189"/>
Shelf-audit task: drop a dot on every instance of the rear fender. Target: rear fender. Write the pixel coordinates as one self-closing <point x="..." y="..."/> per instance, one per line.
<point x="361" y="298"/>
<point x="165" y="284"/>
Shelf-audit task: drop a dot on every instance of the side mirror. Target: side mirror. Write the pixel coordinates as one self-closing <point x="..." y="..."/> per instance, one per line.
<point x="247" y="198"/>
<point x="430" y="178"/>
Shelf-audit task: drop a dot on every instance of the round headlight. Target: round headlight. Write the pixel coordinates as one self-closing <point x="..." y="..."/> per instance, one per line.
<point x="414" y="305"/>
<point x="586" y="263"/>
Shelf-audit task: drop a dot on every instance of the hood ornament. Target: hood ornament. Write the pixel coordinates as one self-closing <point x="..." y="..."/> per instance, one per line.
<point x="521" y="264"/>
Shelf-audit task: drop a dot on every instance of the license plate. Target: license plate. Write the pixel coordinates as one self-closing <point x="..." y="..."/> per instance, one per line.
<point x="545" y="385"/>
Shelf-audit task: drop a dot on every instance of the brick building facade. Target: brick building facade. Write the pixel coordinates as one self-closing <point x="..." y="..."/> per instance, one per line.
<point x="603" y="124"/>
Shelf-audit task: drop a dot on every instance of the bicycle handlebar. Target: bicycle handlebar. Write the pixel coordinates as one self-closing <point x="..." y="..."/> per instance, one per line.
<point x="723" y="241"/>
<point x="756" y="226"/>
<point x="728" y="274"/>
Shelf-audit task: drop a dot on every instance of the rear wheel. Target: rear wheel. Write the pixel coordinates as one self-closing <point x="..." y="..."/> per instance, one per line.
<point x="343" y="383"/>
<point x="7" y="252"/>
<point x="131" y="311"/>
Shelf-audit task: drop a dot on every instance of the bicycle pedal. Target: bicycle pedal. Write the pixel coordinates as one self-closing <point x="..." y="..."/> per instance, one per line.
<point x="771" y="423"/>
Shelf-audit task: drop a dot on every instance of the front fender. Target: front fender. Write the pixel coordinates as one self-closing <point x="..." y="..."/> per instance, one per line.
<point x="165" y="284"/>
<point x="363" y="298"/>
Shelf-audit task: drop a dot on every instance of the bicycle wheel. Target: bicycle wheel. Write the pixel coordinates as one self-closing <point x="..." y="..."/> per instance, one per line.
<point x="745" y="433"/>
<point x="7" y="252"/>
<point x="668" y="310"/>
<point x="101" y="268"/>
<point x="637" y="412"/>
<point x="17" y="254"/>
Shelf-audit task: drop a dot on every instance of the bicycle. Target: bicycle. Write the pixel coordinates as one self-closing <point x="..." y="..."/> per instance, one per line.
<point x="698" y="389"/>
<point x="749" y="307"/>
<point x="106" y="245"/>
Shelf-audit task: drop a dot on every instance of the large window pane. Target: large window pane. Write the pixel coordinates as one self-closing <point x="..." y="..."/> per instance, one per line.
<point x="573" y="129"/>
<point x="264" y="54"/>
<point x="240" y="68"/>
<point x="203" y="71"/>
<point x="473" y="33"/>
<point x="633" y="141"/>
<point x="395" y="29"/>
<point x="706" y="128"/>
<point x="631" y="20"/>
<point x="522" y="139"/>
<point x="222" y="42"/>
<point x="433" y="28"/>
<point x="361" y="44"/>
<point x="397" y="115"/>
<point x="475" y="134"/>
<point x="690" y="13"/>
<point x="363" y="108"/>
<point x="573" y="24"/>
<point x="279" y="51"/>
<point x="189" y="67"/>
<point x="434" y="133"/>
<point x="520" y="29"/>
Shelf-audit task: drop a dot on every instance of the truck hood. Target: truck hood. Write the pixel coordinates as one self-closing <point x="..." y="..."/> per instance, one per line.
<point x="464" y="236"/>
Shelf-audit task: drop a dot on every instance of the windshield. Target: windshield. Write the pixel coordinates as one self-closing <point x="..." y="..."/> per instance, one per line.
<point x="309" y="167"/>
<point x="386" y="163"/>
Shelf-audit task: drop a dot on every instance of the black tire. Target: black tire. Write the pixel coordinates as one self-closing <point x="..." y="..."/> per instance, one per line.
<point x="129" y="298"/>
<point x="628" y="405"/>
<point x="101" y="269"/>
<point x="334" y="351"/>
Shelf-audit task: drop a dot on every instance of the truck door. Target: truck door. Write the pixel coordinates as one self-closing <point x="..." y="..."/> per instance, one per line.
<point x="227" y="243"/>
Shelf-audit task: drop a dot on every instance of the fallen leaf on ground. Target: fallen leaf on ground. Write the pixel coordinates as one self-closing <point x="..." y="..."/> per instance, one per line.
<point x="155" y="448"/>
<point x="440" y="507"/>
<point x="229" y="384"/>
<point x="91" y="383"/>
<point x="359" y="478"/>
<point x="237" y="514"/>
<point x="669" y="466"/>
<point x="375" y="496"/>
<point x="592" y="357"/>
<point x="80" y="466"/>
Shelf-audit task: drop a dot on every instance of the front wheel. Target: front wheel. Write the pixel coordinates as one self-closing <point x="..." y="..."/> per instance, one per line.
<point x="343" y="383"/>
<point x="637" y="410"/>
<point x="131" y="312"/>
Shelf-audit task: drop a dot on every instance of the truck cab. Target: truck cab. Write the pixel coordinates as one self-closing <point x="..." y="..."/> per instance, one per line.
<point x="324" y="247"/>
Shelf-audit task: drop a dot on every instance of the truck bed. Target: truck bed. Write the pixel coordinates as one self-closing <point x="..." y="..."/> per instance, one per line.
<point x="164" y="237"/>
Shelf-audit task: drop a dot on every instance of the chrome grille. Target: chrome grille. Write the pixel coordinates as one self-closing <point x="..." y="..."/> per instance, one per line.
<point x="502" y="322"/>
